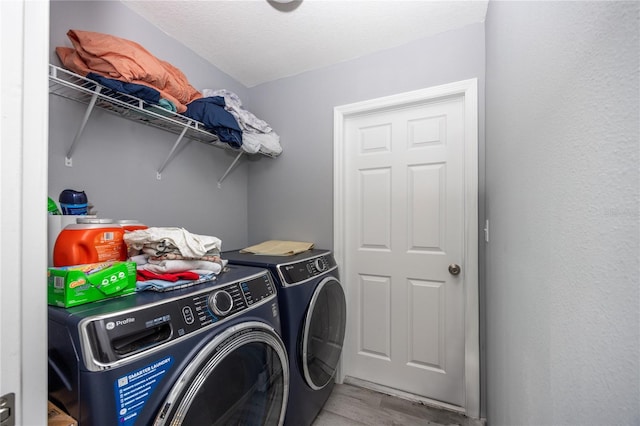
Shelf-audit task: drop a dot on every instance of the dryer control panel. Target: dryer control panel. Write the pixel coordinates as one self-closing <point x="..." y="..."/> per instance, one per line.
<point x="299" y="272"/>
<point x="110" y="339"/>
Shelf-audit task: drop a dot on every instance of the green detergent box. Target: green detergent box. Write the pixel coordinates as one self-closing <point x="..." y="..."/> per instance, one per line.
<point x="78" y="284"/>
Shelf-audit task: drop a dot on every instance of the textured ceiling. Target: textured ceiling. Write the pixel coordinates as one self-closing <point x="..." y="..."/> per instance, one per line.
<point x="256" y="41"/>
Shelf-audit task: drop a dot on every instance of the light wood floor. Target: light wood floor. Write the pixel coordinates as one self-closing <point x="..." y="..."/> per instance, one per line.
<point x="350" y="405"/>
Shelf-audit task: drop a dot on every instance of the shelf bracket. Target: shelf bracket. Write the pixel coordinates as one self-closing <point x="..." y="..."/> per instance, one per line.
<point x="173" y="150"/>
<point x="229" y="168"/>
<point x="68" y="159"/>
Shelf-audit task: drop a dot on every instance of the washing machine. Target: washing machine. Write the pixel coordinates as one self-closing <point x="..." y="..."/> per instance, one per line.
<point x="208" y="354"/>
<point x="313" y="313"/>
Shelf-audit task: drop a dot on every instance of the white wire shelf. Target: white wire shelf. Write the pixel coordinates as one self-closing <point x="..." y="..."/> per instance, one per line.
<point x="69" y="85"/>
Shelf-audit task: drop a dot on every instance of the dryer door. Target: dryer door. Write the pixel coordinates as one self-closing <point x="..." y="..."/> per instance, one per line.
<point x="323" y="333"/>
<point x="240" y="378"/>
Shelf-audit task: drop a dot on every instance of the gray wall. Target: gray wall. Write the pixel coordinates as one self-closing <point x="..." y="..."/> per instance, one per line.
<point x="115" y="161"/>
<point x="292" y="197"/>
<point x="562" y="180"/>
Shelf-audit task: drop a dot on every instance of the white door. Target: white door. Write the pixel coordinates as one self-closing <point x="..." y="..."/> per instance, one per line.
<point x="405" y="232"/>
<point x="24" y="30"/>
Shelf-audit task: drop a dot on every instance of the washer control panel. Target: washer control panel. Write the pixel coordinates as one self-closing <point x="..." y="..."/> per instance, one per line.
<point x="297" y="272"/>
<point x="113" y="337"/>
<point x="223" y="302"/>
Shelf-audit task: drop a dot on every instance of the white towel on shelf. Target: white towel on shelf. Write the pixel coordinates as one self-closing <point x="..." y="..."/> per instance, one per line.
<point x="266" y="143"/>
<point x="246" y="119"/>
<point x="257" y="134"/>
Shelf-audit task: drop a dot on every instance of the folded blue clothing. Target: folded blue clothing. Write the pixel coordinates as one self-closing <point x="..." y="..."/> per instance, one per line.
<point x="164" y="285"/>
<point x="145" y="93"/>
<point x="210" y="111"/>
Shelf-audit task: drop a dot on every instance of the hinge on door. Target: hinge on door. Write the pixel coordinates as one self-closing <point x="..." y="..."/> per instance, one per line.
<point x="7" y="410"/>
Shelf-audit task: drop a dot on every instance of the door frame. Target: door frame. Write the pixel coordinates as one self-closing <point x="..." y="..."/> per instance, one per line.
<point x="468" y="89"/>
<point x="23" y="179"/>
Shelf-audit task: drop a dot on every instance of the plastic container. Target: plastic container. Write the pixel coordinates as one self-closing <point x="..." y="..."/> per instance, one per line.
<point x="55" y="224"/>
<point x="130" y="225"/>
<point x="89" y="243"/>
<point x="52" y="207"/>
<point x="73" y="202"/>
<point x="94" y="220"/>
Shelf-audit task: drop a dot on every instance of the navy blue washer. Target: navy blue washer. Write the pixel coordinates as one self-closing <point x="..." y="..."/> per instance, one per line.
<point x="313" y="313"/>
<point x="207" y="354"/>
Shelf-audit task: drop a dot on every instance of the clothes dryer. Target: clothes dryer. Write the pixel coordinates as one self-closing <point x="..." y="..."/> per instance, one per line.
<point x="313" y="313"/>
<point x="209" y="354"/>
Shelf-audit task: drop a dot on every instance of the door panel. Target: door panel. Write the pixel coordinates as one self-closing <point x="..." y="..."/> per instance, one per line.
<point x="426" y="325"/>
<point x="375" y="209"/>
<point x="404" y="224"/>
<point x="426" y="207"/>
<point x="375" y="322"/>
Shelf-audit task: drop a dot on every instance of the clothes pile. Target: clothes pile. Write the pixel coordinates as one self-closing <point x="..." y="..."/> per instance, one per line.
<point x="127" y="67"/>
<point x="168" y="258"/>
<point x="257" y="134"/>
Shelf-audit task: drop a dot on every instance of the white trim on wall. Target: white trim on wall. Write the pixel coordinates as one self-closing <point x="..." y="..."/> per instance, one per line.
<point x="23" y="182"/>
<point x="468" y="89"/>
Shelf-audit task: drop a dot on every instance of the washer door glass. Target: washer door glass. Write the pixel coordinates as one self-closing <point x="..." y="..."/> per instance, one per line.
<point x="243" y="381"/>
<point x="323" y="337"/>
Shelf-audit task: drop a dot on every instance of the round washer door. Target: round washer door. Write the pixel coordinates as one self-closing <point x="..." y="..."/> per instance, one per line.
<point x="239" y="378"/>
<point x="323" y="333"/>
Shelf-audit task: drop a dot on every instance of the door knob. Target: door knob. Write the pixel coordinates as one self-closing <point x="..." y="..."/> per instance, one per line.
<point x="454" y="269"/>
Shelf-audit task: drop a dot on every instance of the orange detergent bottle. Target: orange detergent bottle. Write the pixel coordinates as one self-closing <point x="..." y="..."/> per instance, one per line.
<point x="93" y="242"/>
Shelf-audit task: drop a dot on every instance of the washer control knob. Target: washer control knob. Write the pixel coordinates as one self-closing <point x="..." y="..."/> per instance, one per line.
<point x="220" y="303"/>
<point x="320" y="265"/>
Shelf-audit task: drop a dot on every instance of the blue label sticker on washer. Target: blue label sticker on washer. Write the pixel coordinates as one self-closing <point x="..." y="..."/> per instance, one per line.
<point x="134" y="389"/>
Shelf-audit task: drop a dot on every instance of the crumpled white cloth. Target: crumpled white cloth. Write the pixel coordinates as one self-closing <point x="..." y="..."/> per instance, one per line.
<point x="267" y="143"/>
<point x="169" y="238"/>
<point x="173" y="266"/>
<point x="246" y="120"/>
<point x="257" y="134"/>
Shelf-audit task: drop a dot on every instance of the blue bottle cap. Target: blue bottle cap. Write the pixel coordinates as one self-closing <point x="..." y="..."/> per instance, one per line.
<point x="73" y="202"/>
<point x="70" y="196"/>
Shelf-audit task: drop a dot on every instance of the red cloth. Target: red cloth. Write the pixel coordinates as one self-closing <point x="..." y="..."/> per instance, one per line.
<point x="143" y="275"/>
